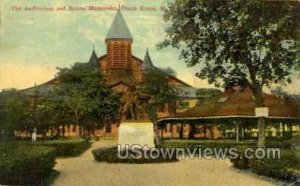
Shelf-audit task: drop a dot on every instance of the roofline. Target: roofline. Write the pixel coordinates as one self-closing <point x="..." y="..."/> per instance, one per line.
<point x="180" y="81"/>
<point x="101" y="57"/>
<point x="138" y="59"/>
<point x="226" y="117"/>
<point x="50" y="81"/>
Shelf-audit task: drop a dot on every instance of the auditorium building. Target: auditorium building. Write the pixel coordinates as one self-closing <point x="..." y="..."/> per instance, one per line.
<point x="122" y="71"/>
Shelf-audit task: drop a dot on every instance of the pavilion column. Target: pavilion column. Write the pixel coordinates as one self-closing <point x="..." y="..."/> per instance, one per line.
<point x="192" y="131"/>
<point x="237" y="133"/>
<point x="172" y="129"/>
<point x="204" y="131"/>
<point x="261" y="131"/>
<point x="181" y="131"/>
<point x="281" y="129"/>
<point x="243" y="132"/>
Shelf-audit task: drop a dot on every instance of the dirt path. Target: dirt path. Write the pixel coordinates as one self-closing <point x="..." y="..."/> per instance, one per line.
<point x="84" y="170"/>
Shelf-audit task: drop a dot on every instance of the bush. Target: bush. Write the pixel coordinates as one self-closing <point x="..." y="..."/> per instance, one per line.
<point x="277" y="168"/>
<point x="279" y="144"/>
<point x="192" y="144"/>
<point x="244" y="163"/>
<point x="23" y="164"/>
<point x="222" y="144"/>
<point x="241" y="162"/>
<point x="110" y="155"/>
<point x="71" y="147"/>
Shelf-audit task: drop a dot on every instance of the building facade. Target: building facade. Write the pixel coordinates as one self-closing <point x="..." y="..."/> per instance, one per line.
<point x="122" y="71"/>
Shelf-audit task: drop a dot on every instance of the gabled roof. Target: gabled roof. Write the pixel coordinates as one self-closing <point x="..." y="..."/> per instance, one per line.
<point x="119" y="28"/>
<point x="178" y="80"/>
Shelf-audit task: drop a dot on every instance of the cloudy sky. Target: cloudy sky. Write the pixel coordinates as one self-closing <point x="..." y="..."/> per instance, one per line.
<point x="34" y="42"/>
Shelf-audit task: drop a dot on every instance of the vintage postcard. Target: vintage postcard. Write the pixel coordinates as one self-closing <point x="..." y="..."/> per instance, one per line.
<point x="149" y="92"/>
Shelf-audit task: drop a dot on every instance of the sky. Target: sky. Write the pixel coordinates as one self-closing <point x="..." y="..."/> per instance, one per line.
<point x="34" y="42"/>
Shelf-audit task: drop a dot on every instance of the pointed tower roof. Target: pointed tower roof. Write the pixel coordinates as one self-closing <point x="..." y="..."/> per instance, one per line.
<point x="94" y="60"/>
<point x="147" y="62"/>
<point x="119" y="28"/>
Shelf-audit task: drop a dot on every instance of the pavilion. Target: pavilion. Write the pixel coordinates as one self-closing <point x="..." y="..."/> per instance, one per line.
<point x="232" y="114"/>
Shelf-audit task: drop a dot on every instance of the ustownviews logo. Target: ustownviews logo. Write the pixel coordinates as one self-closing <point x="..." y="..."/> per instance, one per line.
<point x="137" y="151"/>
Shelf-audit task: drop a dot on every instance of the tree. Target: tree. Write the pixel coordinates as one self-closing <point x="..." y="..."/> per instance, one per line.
<point x="14" y="111"/>
<point x="82" y="97"/>
<point x="205" y="93"/>
<point x="161" y="92"/>
<point x="255" y="41"/>
<point x="156" y="84"/>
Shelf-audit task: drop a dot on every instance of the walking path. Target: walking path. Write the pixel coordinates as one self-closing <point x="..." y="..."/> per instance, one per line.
<point x="83" y="170"/>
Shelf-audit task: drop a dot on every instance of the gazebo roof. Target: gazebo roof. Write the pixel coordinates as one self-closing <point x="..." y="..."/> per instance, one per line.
<point x="241" y="104"/>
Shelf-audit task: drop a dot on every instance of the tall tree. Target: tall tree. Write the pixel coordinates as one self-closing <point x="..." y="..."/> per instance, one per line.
<point x="255" y="41"/>
<point x="83" y="97"/>
<point x="14" y="111"/>
<point x="161" y="92"/>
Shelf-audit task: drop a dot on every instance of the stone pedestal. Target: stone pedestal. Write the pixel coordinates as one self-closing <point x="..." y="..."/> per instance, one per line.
<point x="136" y="133"/>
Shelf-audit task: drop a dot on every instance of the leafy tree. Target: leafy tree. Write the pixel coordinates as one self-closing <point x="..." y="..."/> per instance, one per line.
<point x="82" y="97"/>
<point x="203" y="93"/>
<point x="255" y="41"/>
<point x="13" y="112"/>
<point x="157" y="86"/>
<point x="161" y="92"/>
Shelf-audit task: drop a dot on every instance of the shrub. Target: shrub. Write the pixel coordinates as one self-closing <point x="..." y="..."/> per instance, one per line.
<point x="222" y="144"/>
<point x="71" y="147"/>
<point x="110" y="155"/>
<point x="277" y="168"/>
<point x="23" y="164"/>
<point x="192" y="144"/>
<point x="279" y="144"/>
<point x="241" y="162"/>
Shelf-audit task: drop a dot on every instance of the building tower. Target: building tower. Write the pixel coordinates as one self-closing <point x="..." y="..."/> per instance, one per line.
<point x="118" y="43"/>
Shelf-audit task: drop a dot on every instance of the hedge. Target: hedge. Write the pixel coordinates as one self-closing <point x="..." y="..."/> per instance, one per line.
<point x="241" y="163"/>
<point x="66" y="148"/>
<point x="282" y="168"/>
<point x="203" y="144"/>
<point x="277" y="168"/>
<point x="25" y="164"/>
<point x="221" y="144"/>
<point x="110" y="155"/>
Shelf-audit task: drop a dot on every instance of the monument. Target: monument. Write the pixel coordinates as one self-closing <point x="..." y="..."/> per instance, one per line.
<point x="136" y="133"/>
